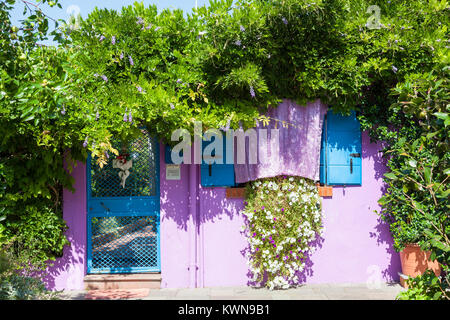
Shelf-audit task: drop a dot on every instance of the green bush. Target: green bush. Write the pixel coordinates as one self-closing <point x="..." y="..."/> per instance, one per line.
<point x="416" y="201"/>
<point x="14" y="285"/>
<point x="426" y="287"/>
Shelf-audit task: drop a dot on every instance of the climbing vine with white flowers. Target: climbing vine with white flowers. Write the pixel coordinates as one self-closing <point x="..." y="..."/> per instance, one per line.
<point x="284" y="221"/>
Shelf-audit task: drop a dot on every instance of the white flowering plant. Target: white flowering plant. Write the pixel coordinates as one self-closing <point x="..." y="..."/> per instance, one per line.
<point x="283" y="220"/>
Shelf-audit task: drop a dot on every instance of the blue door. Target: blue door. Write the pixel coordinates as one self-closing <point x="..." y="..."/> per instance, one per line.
<point x="123" y="209"/>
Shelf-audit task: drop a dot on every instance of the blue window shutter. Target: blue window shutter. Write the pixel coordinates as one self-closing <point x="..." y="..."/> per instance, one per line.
<point x="168" y="154"/>
<point x="217" y="175"/>
<point x="322" y="152"/>
<point x="342" y="155"/>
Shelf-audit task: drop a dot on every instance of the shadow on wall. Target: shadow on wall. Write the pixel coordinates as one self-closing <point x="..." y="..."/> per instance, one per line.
<point x="213" y="203"/>
<point x="382" y="233"/>
<point x="69" y="267"/>
<point x="68" y="271"/>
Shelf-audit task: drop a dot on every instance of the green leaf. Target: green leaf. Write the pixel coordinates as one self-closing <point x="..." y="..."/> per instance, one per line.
<point x="432" y="134"/>
<point x="390" y="175"/>
<point x="433" y="256"/>
<point x="437" y="295"/>
<point x="441" y="115"/>
<point x="427" y="174"/>
<point x="412" y="163"/>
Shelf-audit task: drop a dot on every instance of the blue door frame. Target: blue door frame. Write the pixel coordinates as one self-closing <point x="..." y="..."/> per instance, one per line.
<point x="123" y="226"/>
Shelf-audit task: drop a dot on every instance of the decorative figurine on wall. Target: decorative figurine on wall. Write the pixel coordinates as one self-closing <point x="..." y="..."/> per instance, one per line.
<point x="124" y="163"/>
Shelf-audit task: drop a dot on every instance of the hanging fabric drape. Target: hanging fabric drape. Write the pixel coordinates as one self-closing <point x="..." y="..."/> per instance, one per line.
<point x="294" y="150"/>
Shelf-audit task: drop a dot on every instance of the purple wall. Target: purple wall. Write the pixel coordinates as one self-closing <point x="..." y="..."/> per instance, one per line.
<point x="68" y="272"/>
<point x="357" y="245"/>
<point x="202" y="244"/>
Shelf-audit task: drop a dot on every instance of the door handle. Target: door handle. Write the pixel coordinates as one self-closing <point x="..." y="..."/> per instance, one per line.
<point x="353" y="155"/>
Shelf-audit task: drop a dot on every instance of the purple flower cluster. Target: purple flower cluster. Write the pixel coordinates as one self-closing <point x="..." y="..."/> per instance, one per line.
<point x="238" y="43"/>
<point x="252" y="92"/>
<point x="104" y="78"/>
<point x="63" y="111"/>
<point x="85" y="142"/>
<point x="139" y="88"/>
<point x="125" y="117"/>
<point x="394" y="69"/>
<point x="140" y="21"/>
<point x="102" y="37"/>
<point x="242" y="28"/>
<point x="131" y="60"/>
<point x="113" y="39"/>
<point x="284" y="20"/>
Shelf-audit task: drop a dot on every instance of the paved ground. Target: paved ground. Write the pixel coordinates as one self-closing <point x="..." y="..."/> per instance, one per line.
<point x="306" y="292"/>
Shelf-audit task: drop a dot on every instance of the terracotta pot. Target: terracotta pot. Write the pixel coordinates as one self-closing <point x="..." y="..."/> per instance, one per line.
<point x="415" y="262"/>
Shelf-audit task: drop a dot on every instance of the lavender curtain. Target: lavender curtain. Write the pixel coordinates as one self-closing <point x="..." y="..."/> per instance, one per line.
<point x="299" y="144"/>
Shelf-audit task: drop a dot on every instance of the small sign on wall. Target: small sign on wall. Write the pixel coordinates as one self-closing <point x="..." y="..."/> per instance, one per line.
<point x="173" y="172"/>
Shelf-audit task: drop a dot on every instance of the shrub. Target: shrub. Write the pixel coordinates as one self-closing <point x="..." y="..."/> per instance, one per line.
<point x="426" y="287"/>
<point x="14" y="285"/>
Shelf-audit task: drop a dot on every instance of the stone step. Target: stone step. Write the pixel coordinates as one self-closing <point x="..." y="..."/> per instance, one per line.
<point x="117" y="294"/>
<point x="122" y="281"/>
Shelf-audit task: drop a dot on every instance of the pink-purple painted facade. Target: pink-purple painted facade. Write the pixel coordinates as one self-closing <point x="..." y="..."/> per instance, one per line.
<point x="202" y="244"/>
